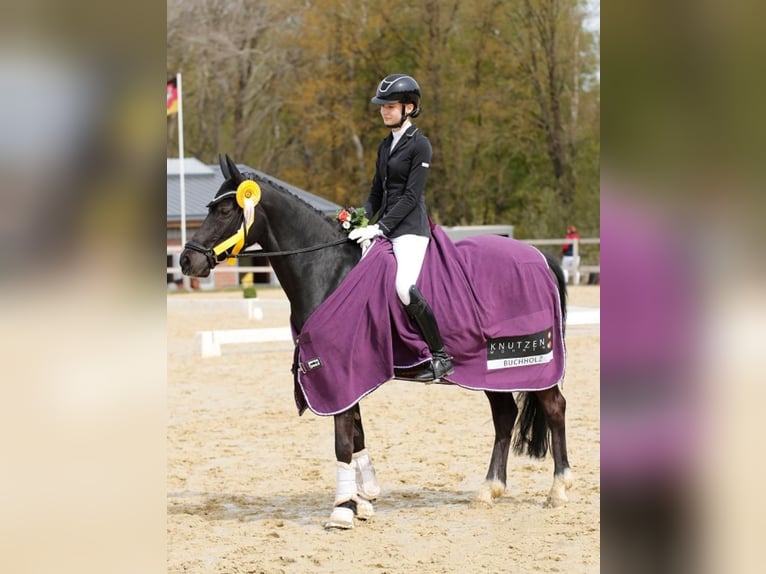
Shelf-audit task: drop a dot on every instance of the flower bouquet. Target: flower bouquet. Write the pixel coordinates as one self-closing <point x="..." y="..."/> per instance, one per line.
<point x="351" y="218"/>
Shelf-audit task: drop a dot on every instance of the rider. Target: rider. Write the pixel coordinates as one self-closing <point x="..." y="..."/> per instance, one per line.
<point x="397" y="200"/>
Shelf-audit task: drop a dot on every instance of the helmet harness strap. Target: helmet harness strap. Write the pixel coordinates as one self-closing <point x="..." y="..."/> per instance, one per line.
<point x="405" y="115"/>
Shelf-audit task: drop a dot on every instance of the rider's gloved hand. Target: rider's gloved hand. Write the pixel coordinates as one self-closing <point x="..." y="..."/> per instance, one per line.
<point x="362" y="234"/>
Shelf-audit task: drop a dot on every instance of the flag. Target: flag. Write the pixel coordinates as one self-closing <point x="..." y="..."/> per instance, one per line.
<point x="172" y="96"/>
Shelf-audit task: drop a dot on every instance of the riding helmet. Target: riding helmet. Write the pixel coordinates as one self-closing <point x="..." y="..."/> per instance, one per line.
<point x="398" y="88"/>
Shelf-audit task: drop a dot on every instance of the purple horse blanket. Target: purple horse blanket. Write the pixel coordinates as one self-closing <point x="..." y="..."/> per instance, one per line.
<point x="496" y="302"/>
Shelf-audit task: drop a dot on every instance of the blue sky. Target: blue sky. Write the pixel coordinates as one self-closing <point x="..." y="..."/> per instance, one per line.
<point x="593" y="19"/>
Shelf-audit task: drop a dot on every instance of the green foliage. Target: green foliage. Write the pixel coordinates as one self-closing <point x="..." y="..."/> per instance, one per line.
<point x="510" y="99"/>
<point x="249" y="292"/>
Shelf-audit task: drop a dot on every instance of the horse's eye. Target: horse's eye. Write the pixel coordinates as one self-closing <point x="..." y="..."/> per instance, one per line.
<point x="226" y="209"/>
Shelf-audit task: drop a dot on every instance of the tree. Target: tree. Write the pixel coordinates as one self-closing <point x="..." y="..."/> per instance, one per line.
<point x="510" y="100"/>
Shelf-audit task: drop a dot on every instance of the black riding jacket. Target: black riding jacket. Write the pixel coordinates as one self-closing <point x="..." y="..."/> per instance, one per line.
<point x="399" y="185"/>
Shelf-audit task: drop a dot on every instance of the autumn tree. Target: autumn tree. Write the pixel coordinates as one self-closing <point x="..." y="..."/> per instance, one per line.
<point x="510" y="98"/>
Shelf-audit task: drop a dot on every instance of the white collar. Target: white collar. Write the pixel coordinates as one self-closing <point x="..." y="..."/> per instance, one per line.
<point x="398" y="134"/>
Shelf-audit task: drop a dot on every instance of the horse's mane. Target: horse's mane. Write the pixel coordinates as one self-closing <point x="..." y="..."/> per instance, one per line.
<point x="329" y="222"/>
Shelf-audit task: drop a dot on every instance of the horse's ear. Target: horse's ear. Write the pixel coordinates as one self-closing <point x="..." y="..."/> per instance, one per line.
<point x="233" y="170"/>
<point x="224" y="167"/>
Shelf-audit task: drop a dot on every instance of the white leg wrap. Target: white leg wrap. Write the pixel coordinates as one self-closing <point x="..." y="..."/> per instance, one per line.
<point x="345" y="486"/>
<point x="346" y="490"/>
<point x="341" y="517"/>
<point x="366" y="482"/>
<point x="364" y="509"/>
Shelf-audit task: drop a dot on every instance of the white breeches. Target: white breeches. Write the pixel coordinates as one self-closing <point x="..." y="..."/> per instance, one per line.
<point x="409" y="251"/>
<point x="570" y="263"/>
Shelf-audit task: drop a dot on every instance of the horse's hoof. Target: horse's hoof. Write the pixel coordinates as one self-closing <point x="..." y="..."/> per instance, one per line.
<point x="555" y="501"/>
<point x="341" y="517"/>
<point x="496" y="488"/>
<point x="483" y="498"/>
<point x="364" y="510"/>
<point x="489" y="491"/>
<point x="558" y="493"/>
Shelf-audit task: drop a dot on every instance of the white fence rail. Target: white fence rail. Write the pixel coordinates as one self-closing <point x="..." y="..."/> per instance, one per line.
<point x="575" y="271"/>
<point x="210" y="341"/>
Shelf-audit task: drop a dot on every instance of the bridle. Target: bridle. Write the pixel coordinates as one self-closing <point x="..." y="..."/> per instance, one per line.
<point x="248" y="194"/>
<point x="214" y="259"/>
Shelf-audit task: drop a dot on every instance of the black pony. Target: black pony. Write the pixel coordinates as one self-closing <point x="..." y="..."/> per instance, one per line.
<point x="311" y="257"/>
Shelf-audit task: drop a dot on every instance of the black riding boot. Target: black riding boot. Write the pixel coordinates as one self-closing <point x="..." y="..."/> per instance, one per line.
<point x="441" y="363"/>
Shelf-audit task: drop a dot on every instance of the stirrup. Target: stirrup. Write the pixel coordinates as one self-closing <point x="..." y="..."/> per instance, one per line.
<point x="423" y="375"/>
<point x="441" y="366"/>
<point x="433" y="371"/>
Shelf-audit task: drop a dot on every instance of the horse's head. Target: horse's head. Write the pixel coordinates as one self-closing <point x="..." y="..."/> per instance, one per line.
<point x="229" y="225"/>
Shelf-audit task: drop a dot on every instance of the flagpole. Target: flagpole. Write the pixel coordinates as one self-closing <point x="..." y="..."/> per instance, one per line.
<point x="181" y="169"/>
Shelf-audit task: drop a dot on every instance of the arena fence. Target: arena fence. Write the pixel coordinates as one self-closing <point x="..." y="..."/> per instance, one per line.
<point x="586" y="264"/>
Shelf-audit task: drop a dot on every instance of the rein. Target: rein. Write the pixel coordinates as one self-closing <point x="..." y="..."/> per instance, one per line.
<point x="291" y="251"/>
<point x="213" y="260"/>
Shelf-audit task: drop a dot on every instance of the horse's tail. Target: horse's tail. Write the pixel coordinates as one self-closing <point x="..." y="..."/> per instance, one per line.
<point x="532" y="435"/>
<point x="561" y="281"/>
<point x="531" y="427"/>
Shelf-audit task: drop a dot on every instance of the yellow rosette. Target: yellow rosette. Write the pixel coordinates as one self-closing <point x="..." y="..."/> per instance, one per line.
<point x="248" y="189"/>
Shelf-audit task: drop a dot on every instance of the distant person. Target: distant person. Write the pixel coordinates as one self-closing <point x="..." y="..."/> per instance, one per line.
<point x="570" y="261"/>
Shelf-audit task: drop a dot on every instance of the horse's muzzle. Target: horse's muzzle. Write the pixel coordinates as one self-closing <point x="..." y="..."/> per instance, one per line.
<point x="196" y="262"/>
